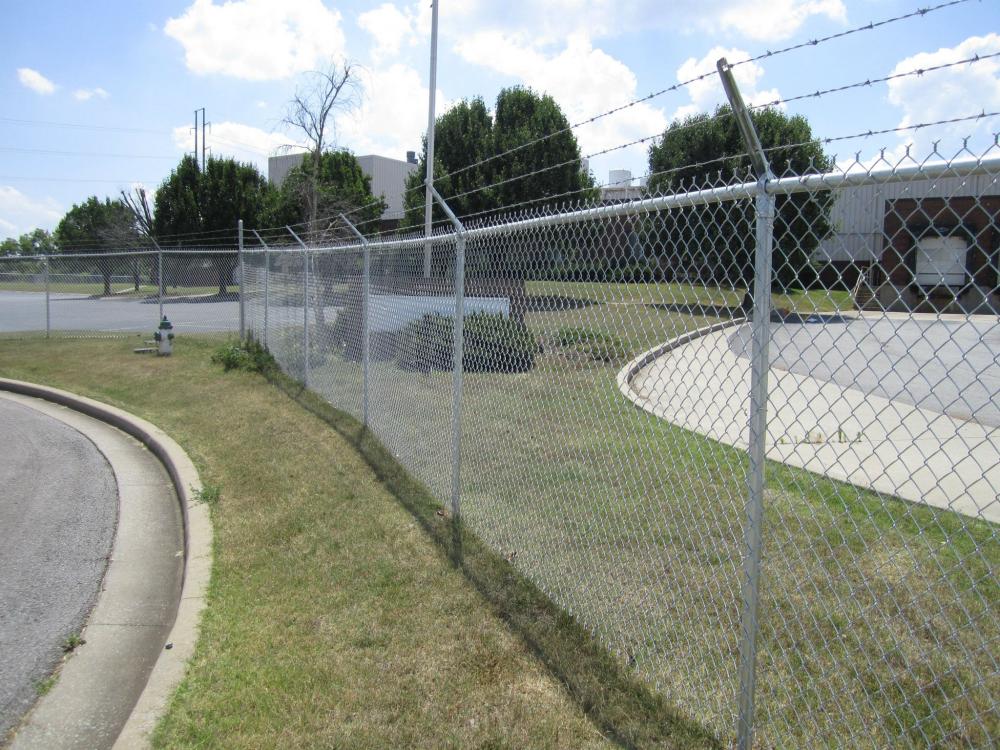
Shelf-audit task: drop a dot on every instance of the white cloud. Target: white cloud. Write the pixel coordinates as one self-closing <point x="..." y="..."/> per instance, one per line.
<point x="35" y="81"/>
<point x="393" y="113"/>
<point x="20" y="213"/>
<point x="257" y="40"/>
<point x="770" y="20"/>
<point x="552" y="20"/>
<point x="708" y="93"/>
<point x="389" y="27"/>
<point x="237" y="140"/>
<point x="952" y="92"/>
<point x="582" y="79"/>
<point x="82" y="95"/>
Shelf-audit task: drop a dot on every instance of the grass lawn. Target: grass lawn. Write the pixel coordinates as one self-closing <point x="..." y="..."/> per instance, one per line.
<point x="339" y="614"/>
<point x="689" y="297"/>
<point x="878" y="617"/>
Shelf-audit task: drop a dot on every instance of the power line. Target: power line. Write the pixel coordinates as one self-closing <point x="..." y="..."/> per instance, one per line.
<point x="920" y="12"/>
<point x="20" y="150"/>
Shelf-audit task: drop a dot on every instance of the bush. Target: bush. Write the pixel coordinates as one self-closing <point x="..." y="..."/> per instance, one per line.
<point x="247" y="355"/>
<point x="493" y="343"/>
<point x="600" y="347"/>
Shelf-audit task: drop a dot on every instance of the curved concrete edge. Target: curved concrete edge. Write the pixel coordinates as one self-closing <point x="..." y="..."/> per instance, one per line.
<point x="630" y="370"/>
<point x="171" y="665"/>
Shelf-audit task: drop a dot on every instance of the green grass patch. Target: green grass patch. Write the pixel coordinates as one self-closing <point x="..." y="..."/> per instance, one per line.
<point x="597" y="345"/>
<point x="341" y="613"/>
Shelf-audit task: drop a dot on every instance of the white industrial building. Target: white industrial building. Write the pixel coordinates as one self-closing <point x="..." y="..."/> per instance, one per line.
<point x="388" y="176"/>
<point x="924" y="242"/>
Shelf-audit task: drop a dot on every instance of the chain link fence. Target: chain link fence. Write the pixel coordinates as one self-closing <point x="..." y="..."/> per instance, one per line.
<point x="836" y="565"/>
<point x="120" y="293"/>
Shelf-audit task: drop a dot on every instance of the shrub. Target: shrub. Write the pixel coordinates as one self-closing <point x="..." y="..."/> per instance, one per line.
<point x="247" y="355"/>
<point x="601" y="347"/>
<point x="493" y="343"/>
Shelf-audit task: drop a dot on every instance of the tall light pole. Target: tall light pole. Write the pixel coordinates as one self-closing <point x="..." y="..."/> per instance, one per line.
<point x="428" y="198"/>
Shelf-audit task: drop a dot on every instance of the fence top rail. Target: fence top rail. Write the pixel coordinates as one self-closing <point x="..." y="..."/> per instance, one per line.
<point x="191" y="251"/>
<point x="853" y="177"/>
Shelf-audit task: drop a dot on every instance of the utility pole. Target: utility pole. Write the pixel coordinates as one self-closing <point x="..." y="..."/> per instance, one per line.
<point x="204" y="140"/>
<point x="429" y="181"/>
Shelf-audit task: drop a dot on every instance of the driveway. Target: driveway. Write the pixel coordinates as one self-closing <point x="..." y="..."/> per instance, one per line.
<point x="932" y="447"/>
<point x="58" y="509"/>
<point x="25" y="311"/>
<point x="946" y="365"/>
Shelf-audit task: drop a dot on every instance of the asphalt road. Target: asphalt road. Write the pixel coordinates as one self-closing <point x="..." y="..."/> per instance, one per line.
<point x="25" y="311"/>
<point x="58" y="509"/>
<point x="947" y="366"/>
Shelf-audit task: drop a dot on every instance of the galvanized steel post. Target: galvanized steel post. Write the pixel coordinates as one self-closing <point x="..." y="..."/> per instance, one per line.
<point x="366" y="273"/>
<point x="48" y="318"/>
<point x="159" y="281"/>
<point x="761" y="333"/>
<point x="431" y="121"/>
<point x="305" y="307"/>
<point x="242" y="285"/>
<point x="459" y="351"/>
<point x="267" y="278"/>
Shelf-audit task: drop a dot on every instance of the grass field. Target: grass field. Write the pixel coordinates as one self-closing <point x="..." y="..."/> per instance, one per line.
<point x="878" y="618"/>
<point x="338" y="615"/>
<point x="877" y="615"/>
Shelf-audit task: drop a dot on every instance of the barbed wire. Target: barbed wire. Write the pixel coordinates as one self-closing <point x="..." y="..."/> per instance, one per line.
<point x="916" y="72"/>
<point x="919" y="12"/>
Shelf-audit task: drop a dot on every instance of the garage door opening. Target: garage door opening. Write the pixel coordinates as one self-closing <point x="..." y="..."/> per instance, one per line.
<point x="941" y="261"/>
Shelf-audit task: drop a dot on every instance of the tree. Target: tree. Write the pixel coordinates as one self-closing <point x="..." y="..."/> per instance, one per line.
<point x="311" y="112"/>
<point x="191" y="203"/>
<point x="716" y="242"/>
<point x="339" y="186"/>
<point x="467" y="135"/>
<point x="95" y="224"/>
<point x="35" y="242"/>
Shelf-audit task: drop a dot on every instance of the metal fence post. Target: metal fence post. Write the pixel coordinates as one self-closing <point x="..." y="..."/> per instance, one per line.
<point x="459" y="352"/>
<point x="242" y="285"/>
<point x="365" y="323"/>
<point x="761" y="332"/>
<point x="267" y="280"/>
<point x="305" y="307"/>
<point x="159" y="279"/>
<point x="48" y="318"/>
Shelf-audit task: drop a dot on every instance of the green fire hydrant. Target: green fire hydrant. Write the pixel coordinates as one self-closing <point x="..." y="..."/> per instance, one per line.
<point x="164" y="337"/>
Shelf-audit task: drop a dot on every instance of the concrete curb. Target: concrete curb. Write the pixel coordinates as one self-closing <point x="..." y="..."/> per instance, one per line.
<point x="169" y="669"/>
<point x="630" y="370"/>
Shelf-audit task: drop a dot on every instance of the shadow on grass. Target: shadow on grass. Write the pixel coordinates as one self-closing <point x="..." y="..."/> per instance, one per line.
<point x="624" y="707"/>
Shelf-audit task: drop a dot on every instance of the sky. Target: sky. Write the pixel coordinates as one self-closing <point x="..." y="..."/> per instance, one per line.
<point x="98" y="97"/>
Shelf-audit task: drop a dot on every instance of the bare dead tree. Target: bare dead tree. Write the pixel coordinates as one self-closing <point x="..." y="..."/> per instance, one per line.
<point x="312" y="111"/>
<point x="137" y="201"/>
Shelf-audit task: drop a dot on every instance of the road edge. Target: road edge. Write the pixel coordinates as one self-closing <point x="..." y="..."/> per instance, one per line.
<point x="171" y="665"/>
<point x="630" y="370"/>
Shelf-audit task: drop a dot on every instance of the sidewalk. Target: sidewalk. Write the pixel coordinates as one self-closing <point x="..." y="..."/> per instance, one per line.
<point x="872" y="442"/>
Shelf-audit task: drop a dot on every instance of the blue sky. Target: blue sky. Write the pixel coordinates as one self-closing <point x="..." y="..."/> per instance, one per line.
<point x="121" y="79"/>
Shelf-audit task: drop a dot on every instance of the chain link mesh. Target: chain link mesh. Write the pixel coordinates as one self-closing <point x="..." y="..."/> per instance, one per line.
<point x="86" y="294"/>
<point x="605" y="403"/>
<point x="604" y="430"/>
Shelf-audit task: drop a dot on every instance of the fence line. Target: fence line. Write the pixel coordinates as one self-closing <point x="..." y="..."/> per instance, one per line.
<point x="620" y="487"/>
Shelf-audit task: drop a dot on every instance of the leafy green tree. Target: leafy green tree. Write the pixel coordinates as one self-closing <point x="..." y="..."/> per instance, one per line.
<point x="96" y="225"/>
<point x="467" y="134"/>
<point x="10" y="246"/>
<point x="190" y="203"/>
<point x="340" y="186"/>
<point x="716" y="242"/>
<point x="35" y="242"/>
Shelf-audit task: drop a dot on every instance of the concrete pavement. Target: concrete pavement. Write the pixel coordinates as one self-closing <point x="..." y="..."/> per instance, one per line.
<point x="703" y="384"/>
<point x="114" y="688"/>
<point x="58" y="511"/>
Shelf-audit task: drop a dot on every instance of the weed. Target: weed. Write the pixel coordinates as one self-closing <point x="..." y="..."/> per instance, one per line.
<point x="73" y="642"/>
